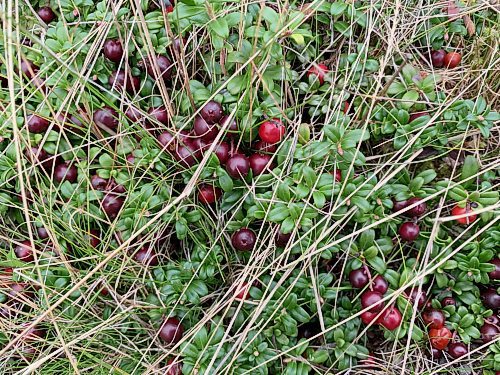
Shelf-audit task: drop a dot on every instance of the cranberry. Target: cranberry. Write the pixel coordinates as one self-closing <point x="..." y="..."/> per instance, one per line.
<point x="318" y="70"/>
<point x="440" y="337"/>
<point x="113" y="50"/>
<point x="238" y="166"/>
<point x="437" y="58"/>
<point x="202" y="129"/>
<point x="33" y="334"/>
<point x="24" y="251"/>
<point x="185" y="155"/>
<point x="46" y="14"/>
<point x="222" y="152"/>
<point x="409" y="231"/>
<point x="208" y="194"/>
<point x="29" y="69"/>
<point x="167" y="139"/>
<point x="416" y="115"/>
<point x="199" y="146"/>
<point x="171" y="331"/>
<point x="418" y="210"/>
<point x="452" y="60"/>
<point x="120" y="80"/>
<point x="489" y="332"/>
<point x="495" y="275"/>
<point x="415" y="295"/>
<point x="491" y="299"/>
<point x="98" y="183"/>
<point x="173" y="367"/>
<point x="159" y="114"/>
<point x="448" y="301"/>
<point x="262" y="146"/>
<point x="492" y="320"/>
<point x="243" y="291"/>
<point x="281" y="239"/>
<point x="457" y="350"/>
<point x="368" y="317"/>
<point x="338" y="175"/>
<point x="272" y="131"/>
<point x="112" y="204"/>
<point x="37" y="124"/>
<point x="391" y="318"/>
<point x="37" y="155"/>
<point x="146" y="256"/>
<point x="433" y="318"/>
<point x="42" y="233"/>
<point x="232" y="129"/>
<point x="65" y="172"/>
<point x="347" y="107"/>
<point x="259" y="163"/>
<point x="134" y="114"/>
<point x="457" y="210"/>
<point x="106" y="117"/>
<point x="436" y="353"/>
<point x="178" y="44"/>
<point x="130" y="158"/>
<point x="372" y="300"/>
<point x="380" y="284"/>
<point x="94" y="237"/>
<point x="164" y="67"/>
<point x="243" y="239"/>
<point x="211" y="112"/>
<point x="359" y="278"/>
<point x="399" y="205"/>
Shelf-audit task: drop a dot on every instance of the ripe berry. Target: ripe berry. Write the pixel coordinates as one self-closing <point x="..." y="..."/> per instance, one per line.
<point x="259" y="163"/>
<point x="338" y="175"/>
<point x="281" y="239"/>
<point x="238" y="166"/>
<point x="185" y="155"/>
<point x="65" y="172"/>
<point x="318" y="70"/>
<point x="391" y="318"/>
<point x="113" y="50"/>
<point x="372" y="300"/>
<point x="359" y="278"/>
<point x="243" y="291"/>
<point x="202" y="129"/>
<point x="146" y="256"/>
<point x="437" y="58"/>
<point x="452" y="59"/>
<point x="37" y="155"/>
<point x="37" y="124"/>
<point x="174" y="368"/>
<point x="46" y="14"/>
<point x="171" y="331"/>
<point x="418" y="210"/>
<point x="264" y="147"/>
<point x="133" y="114"/>
<point x="222" y="152"/>
<point x="440" y="337"/>
<point x="436" y="353"/>
<point x="409" y="231"/>
<point x="416" y="115"/>
<point x="399" y="205"/>
<point x="448" y="301"/>
<point x="29" y="69"/>
<point x="159" y="114"/>
<point x="119" y="80"/>
<point x="243" y="239"/>
<point x="98" y="183"/>
<point x="232" y="129"/>
<point x="272" y="131"/>
<point x="415" y="295"/>
<point x="164" y="68"/>
<point x="106" y="117"/>
<point x="94" y="237"/>
<point x="178" y="44"/>
<point x="495" y="275"/>
<point x="493" y="319"/>
<point x="491" y="299"/>
<point x="211" y="112"/>
<point x="42" y="233"/>
<point x="380" y="284"/>
<point x="466" y="220"/>
<point x="368" y="317"/>
<point x="24" y="251"/>
<point x="112" y="204"/>
<point x="433" y="318"/>
<point x="208" y="194"/>
<point x="457" y="349"/>
<point x="199" y="146"/>
<point x="489" y="332"/>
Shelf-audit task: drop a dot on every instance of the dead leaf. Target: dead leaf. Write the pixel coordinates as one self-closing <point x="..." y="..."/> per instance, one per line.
<point x="469" y="25"/>
<point x="452" y="9"/>
<point x="307" y="9"/>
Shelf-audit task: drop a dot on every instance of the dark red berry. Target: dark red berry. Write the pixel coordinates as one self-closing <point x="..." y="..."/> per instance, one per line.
<point x="448" y="301"/>
<point x="112" y="204"/>
<point x="232" y="129"/>
<point x="211" y="112"/>
<point x="146" y="256"/>
<point x="98" y="183"/>
<point x="24" y="251"/>
<point x="380" y="284"/>
<point x="119" y="80"/>
<point x="174" y="367"/>
<point x="259" y="163"/>
<point x="436" y="353"/>
<point x="452" y="60"/>
<point x="29" y="69"/>
<point x="65" y="172"/>
<point x="46" y="14"/>
<point x="368" y="317"/>
<point x="359" y="278"/>
<point x="37" y="155"/>
<point x="208" y="194"/>
<point x="134" y="114"/>
<point x="168" y="140"/>
<point x="243" y="239"/>
<point x="433" y="318"/>
<point x="318" y="70"/>
<point x="178" y="44"/>
<point x="491" y="299"/>
<point x="416" y="115"/>
<point x="494" y="320"/>
<point x="437" y="58"/>
<point x="159" y="114"/>
<point x="37" y="124"/>
<point x="338" y="175"/>
<point x="265" y="147"/>
<point x="199" y="147"/>
<point x="171" y="331"/>
<point x="398" y="205"/>
<point x="242" y="291"/>
<point x="238" y="166"/>
<point x="185" y="155"/>
<point x="391" y="318"/>
<point x="414" y="295"/>
<point x="489" y="332"/>
<point x="457" y="349"/>
<point x="106" y="117"/>
<point x="42" y="233"/>
<point x="372" y="300"/>
<point x="94" y="237"/>
<point x="113" y="50"/>
<point x="202" y="129"/>
<point x="495" y="275"/>
<point x="281" y="239"/>
<point x="418" y="210"/>
<point x="164" y="67"/>
<point x="409" y="231"/>
<point x="222" y="152"/>
<point x="272" y="131"/>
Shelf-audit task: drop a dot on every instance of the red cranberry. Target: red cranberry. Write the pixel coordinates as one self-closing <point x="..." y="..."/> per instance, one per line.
<point x="134" y="114"/>
<point x="318" y="70"/>
<point x="37" y="155"/>
<point x="185" y="155"/>
<point x="414" y="295"/>
<point x="178" y="44"/>
<point x="409" y="231"/>
<point x="222" y="152"/>
<point x="495" y="275"/>
<point x="113" y="50"/>
<point x="232" y="129"/>
<point x="338" y="175"/>
<point x="457" y="349"/>
<point x="489" y="332"/>
<point x="492" y="320"/>
<point x="199" y="146"/>
<point x="380" y="284"/>
<point x="242" y="291"/>
<point x="146" y="256"/>
<point x="359" y="278"/>
<point x="259" y="163"/>
<point x="418" y="210"/>
<point x="114" y="187"/>
<point x="466" y="220"/>
<point x="433" y="318"/>
<point x="202" y="129"/>
<point x="65" y="172"/>
<point x="437" y="58"/>
<point x="436" y="353"/>
<point x="130" y="158"/>
<point x="211" y="112"/>
<point x="42" y="233"/>
<point x="98" y="183"/>
<point x="416" y="115"/>
<point x="440" y="337"/>
<point x="33" y="334"/>
<point x="94" y="237"/>
<point x="391" y="318"/>
<point x="238" y="166"/>
<point x="174" y="367"/>
<point x="452" y="60"/>
<point x="112" y="204"/>
<point x="37" y="124"/>
<point x="120" y="80"/>
<point x="167" y="139"/>
<point x="243" y="239"/>
<point x="29" y="69"/>
<point x="448" y="301"/>
<point x="272" y="131"/>
<point x="208" y="194"/>
<point x="491" y="299"/>
<point x="164" y="67"/>
<point x="372" y="300"/>
<point x="106" y="117"/>
<point x="24" y="251"/>
<point x="262" y="146"/>
<point x="368" y="317"/>
<point x="159" y="114"/>
<point x="399" y="205"/>
<point x="46" y="14"/>
<point x="281" y="239"/>
<point x="171" y="331"/>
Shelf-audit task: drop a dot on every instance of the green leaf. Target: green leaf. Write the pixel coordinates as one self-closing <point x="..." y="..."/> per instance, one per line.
<point x="287" y="225"/>
<point x="470" y="168"/>
<point x="343" y="28"/>
<point x="409" y="99"/>
<point x="219" y="26"/>
<point x="378" y="264"/>
<point x="271" y="17"/>
<point x="366" y="239"/>
<point x="309" y="176"/>
<point x="337" y="8"/>
<point x="361" y="203"/>
<point x="105" y="161"/>
<point x="319" y="199"/>
<point x="225" y="181"/>
<point x="237" y="84"/>
<point x="278" y="214"/>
